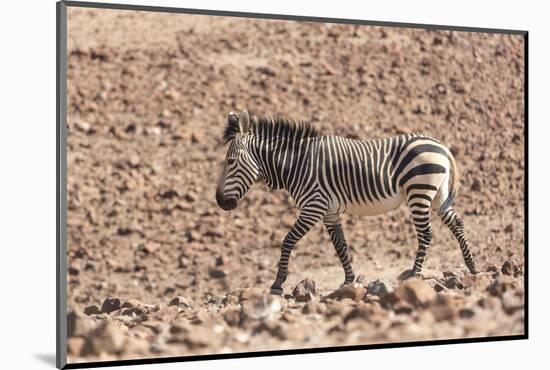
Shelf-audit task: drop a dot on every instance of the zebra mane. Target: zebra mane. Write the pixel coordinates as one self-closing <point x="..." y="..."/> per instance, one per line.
<point x="272" y="126"/>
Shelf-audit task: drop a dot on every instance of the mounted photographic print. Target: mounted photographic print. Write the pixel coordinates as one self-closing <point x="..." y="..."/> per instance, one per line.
<point x="234" y="184"/>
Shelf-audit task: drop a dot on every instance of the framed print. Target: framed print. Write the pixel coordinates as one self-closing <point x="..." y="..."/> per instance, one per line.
<point x="235" y="184"/>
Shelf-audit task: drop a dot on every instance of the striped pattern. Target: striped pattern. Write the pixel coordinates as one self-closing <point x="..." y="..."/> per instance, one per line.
<point x="331" y="175"/>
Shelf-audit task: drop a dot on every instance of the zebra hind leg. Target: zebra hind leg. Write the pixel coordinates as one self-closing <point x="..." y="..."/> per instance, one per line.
<point x="421" y="218"/>
<point x="334" y="228"/>
<point x="451" y="219"/>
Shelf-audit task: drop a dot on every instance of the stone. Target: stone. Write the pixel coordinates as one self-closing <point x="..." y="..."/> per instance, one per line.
<point x="110" y="304"/>
<point x="512" y="302"/>
<point x="108" y="337"/>
<point x="452" y="282"/>
<point x="411" y="293"/>
<point x="92" y="310"/>
<point x="373" y="314"/>
<point x="232" y="316"/>
<point x="79" y="325"/>
<point x="75" y="345"/>
<point x="314" y="308"/>
<point x="501" y="285"/>
<point x="181" y="302"/>
<point x="380" y="288"/>
<point x="510" y="268"/>
<point x="354" y="291"/>
<point x="445" y="308"/>
<point x="304" y="291"/>
<point x="136" y="346"/>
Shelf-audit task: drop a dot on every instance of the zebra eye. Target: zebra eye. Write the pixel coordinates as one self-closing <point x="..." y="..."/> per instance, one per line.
<point x="230" y="160"/>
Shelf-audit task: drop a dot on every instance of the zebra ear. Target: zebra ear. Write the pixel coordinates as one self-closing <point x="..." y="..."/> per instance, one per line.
<point x="232" y="119"/>
<point x="244" y="122"/>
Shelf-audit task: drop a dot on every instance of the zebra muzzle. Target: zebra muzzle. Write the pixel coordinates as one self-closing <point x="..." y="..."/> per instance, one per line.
<point x="227" y="204"/>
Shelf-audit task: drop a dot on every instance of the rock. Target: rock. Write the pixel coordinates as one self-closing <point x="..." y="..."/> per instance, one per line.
<point x="510" y="268"/>
<point x="232" y="316"/>
<point x="304" y="291"/>
<point x="453" y="273"/>
<point x="110" y="304"/>
<point x="491" y="268"/>
<point x="75" y="345"/>
<point x="108" y="337"/>
<point x="230" y="299"/>
<point x="444" y="308"/>
<point x="501" y="285"/>
<point x="201" y="316"/>
<point x="362" y="279"/>
<point x="512" y="302"/>
<point x="79" y="325"/>
<point x="352" y="291"/>
<point x="314" y="308"/>
<point x="371" y="313"/>
<point x="132" y="303"/>
<point x="336" y="308"/>
<point x="452" y="282"/>
<point x="380" y="288"/>
<point x="92" y="310"/>
<point x="181" y="302"/>
<point x="201" y="337"/>
<point x="136" y="346"/>
<point x="411" y="293"/>
<point x="84" y="126"/>
<point x="476" y="185"/>
<point x="216" y="273"/>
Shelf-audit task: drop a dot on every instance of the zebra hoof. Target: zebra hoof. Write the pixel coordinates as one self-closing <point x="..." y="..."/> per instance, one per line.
<point x="276" y="291"/>
<point x="407" y="274"/>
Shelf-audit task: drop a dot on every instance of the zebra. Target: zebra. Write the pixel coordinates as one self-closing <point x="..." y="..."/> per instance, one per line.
<point x="328" y="175"/>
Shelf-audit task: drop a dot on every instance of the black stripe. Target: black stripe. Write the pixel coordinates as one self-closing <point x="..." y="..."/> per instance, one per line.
<point x="413" y="153"/>
<point x="423" y="169"/>
<point x="421" y="196"/>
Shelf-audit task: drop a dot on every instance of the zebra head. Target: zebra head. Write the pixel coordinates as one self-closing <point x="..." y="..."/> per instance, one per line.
<point x="240" y="170"/>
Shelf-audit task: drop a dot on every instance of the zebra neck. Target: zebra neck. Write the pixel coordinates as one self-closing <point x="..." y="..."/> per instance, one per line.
<point x="280" y="160"/>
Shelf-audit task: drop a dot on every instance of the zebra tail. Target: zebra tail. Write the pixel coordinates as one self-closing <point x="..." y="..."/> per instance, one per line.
<point x="454" y="183"/>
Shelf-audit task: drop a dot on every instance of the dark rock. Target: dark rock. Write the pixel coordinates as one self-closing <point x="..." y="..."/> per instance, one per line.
<point x="380" y="288"/>
<point x="110" y="304"/>
<point x="304" y="291"/>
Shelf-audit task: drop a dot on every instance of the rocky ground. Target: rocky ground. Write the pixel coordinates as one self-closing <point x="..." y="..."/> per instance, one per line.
<point x="157" y="269"/>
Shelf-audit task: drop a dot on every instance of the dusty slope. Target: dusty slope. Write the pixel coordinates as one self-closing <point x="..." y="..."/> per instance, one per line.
<point x="148" y="98"/>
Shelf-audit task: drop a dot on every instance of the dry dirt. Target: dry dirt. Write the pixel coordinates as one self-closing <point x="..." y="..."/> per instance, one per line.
<point x="148" y="95"/>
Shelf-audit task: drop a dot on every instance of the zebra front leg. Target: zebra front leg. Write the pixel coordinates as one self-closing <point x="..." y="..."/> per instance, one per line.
<point x="334" y="228"/>
<point x="456" y="225"/>
<point x="306" y="219"/>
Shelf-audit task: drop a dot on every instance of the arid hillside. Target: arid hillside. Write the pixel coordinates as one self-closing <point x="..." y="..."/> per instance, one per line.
<point x="156" y="268"/>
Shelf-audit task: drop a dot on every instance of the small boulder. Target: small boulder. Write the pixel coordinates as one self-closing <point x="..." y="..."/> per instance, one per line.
<point x="92" y="310"/>
<point x="304" y="291"/>
<point x="110" y="304"/>
<point x="79" y="325"/>
<point x="510" y="268"/>
<point x="181" y="302"/>
<point x="314" y="308"/>
<point x="106" y="338"/>
<point x="380" y="288"/>
<point x="75" y="345"/>
<point x="354" y="291"/>
<point x="412" y="293"/>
